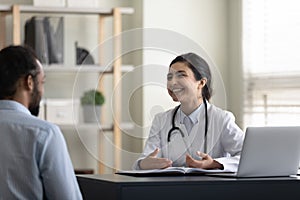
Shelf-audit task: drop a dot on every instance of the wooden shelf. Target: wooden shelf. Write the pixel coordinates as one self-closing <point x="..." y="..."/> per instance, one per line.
<point x="104" y="127"/>
<point x="85" y="68"/>
<point x="66" y="10"/>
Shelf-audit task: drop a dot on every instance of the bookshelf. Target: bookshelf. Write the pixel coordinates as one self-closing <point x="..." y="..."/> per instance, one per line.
<point x="116" y="70"/>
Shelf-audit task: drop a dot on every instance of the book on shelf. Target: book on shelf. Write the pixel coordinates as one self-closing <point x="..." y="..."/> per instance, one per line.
<point x="171" y="171"/>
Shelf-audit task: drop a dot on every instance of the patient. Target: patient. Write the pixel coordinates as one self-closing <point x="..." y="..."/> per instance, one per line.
<point x="35" y="163"/>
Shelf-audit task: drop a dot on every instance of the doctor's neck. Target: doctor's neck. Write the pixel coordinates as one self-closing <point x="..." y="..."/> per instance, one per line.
<point x="188" y="107"/>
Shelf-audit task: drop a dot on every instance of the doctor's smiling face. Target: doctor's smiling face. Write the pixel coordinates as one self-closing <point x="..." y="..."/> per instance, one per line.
<point x="182" y="84"/>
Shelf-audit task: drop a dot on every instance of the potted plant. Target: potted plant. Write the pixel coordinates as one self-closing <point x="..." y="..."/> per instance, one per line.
<point x="91" y="102"/>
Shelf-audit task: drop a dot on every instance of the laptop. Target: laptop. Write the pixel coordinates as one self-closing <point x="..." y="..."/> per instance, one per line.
<point x="268" y="152"/>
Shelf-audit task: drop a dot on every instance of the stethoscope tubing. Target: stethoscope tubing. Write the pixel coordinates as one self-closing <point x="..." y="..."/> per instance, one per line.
<point x="174" y="128"/>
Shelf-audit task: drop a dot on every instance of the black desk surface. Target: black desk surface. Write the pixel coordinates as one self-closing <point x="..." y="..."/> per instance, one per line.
<point x="112" y="186"/>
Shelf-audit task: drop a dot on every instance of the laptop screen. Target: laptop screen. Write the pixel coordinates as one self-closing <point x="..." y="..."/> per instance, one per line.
<point x="270" y="151"/>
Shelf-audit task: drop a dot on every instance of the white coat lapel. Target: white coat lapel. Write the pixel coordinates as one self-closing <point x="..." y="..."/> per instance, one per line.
<point x="196" y="136"/>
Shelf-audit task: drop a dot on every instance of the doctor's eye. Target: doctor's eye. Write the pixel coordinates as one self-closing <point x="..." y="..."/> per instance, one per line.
<point x="169" y="77"/>
<point x="180" y="74"/>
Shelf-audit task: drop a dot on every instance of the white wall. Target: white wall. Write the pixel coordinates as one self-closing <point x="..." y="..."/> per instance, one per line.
<point x="191" y="25"/>
<point x="235" y="69"/>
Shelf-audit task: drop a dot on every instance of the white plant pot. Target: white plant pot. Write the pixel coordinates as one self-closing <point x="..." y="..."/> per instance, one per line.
<point x="91" y="113"/>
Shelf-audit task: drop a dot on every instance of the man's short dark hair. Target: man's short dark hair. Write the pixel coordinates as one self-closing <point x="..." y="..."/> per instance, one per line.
<point x="16" y="62"/>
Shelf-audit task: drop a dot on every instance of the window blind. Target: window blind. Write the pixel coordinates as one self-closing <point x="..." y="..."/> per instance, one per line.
<point x="271" y="62"/>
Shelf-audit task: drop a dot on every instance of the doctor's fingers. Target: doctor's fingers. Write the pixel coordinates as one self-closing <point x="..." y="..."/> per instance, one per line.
<point x="189" y="157"/>
<point x="191" y="162"/>
<point x="161" y="163"/>
<point x="202" y="155"/>
<point x="154" y="153"/>
<point x="155" y="163"/>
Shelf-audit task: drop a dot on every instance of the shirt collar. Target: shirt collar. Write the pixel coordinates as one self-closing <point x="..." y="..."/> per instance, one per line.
<point x="193" y="116"/>
<point x="13" y="105"/>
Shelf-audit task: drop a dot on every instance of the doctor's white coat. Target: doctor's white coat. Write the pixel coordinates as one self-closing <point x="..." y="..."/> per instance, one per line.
<point x="224" y="138"/>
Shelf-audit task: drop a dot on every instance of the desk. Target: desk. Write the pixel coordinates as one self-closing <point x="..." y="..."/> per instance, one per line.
<point x="117" y="187"/>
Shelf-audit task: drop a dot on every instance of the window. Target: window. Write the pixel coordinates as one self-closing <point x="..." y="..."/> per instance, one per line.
<point x="271" y="61"/>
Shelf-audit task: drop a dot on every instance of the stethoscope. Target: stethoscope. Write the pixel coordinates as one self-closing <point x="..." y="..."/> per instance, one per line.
<point x="175" y="128"/>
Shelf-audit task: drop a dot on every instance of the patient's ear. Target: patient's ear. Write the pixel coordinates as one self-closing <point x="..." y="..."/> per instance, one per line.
<point x="29" y="83"/>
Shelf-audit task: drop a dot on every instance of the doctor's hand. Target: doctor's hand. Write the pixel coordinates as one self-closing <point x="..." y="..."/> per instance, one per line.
<point x="152" y="162"/>
<point x="205" y="163"/>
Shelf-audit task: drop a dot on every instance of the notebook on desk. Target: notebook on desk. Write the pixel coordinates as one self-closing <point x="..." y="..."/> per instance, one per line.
<point x="268" y="152"/>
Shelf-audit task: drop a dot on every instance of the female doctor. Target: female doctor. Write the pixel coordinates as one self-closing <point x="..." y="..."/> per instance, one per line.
<point x="196" y="133"/>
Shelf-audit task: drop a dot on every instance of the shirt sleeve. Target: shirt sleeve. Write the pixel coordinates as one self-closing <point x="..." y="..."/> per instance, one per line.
<point x="153" y="141"/>
<point x="232" y="138"/>
<point x="56" y="170"/>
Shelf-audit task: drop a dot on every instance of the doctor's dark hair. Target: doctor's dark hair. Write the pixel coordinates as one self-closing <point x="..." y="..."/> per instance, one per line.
<point x="16" y="62"/>
<point x="200" y="69"/>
